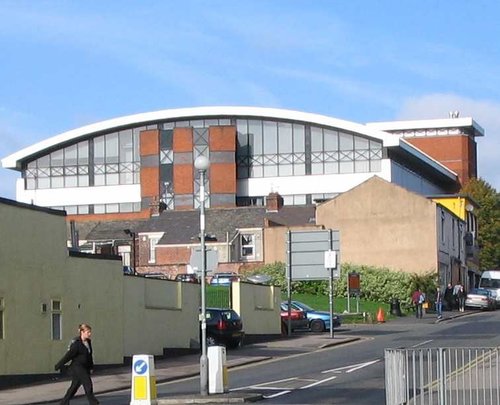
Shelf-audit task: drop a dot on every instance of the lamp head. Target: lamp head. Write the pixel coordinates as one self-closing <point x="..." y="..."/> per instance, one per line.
<point x="202" y="163"/>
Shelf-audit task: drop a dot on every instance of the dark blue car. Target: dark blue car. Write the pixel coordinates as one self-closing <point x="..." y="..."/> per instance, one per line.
<point x="319" y="321"/>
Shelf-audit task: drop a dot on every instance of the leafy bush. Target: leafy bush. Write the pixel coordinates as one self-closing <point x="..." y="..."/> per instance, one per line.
<point x="377" y="284"/>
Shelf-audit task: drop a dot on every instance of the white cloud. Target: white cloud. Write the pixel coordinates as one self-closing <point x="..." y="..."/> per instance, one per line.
<point x="485" y="113"/>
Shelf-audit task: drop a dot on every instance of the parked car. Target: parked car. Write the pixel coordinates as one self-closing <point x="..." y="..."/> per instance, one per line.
<point x="319" y="321"/>
<point x="161" y="276"/>
<point x="224" y="326"/>
<point x="298" y="319"/>
<point x="224" y="279"/>
<point x="187" y="278"/>
<point x="480" y="298"/>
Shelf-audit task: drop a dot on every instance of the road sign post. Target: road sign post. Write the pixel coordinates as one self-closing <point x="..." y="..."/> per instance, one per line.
<point x="333" y="273"/>
<point x="309" y="253"/>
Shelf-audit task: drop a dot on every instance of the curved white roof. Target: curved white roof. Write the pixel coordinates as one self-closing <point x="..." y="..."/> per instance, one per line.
<point x="13" y="161"/>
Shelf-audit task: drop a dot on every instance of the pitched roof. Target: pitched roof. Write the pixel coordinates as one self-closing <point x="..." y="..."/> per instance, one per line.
<point x="183" y="227"/>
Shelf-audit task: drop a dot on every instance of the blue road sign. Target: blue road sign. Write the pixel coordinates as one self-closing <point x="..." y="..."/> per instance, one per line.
<point x="140" y="367"/>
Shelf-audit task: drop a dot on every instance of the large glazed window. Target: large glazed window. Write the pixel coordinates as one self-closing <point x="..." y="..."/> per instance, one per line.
<point x="273" y="148"/>
<point x="105" y="160"/>
<point x="66" y="167"/>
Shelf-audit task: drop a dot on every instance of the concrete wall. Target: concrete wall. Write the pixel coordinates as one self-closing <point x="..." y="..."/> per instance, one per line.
<point x="129" y="315"/>
<point x="258" y="306"/>
<point x="159" y="314"/>
<point x="382" y="224"/>
<point x="37" y="270"/>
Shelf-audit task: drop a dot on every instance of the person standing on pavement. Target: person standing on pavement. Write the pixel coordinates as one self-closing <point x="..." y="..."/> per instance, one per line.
<point x="439" y="303"/>
<point x="461" y="298"/>
<point x="418" y="299"/>
<point x="448" y="297"/>
<point x="80" y="354"/>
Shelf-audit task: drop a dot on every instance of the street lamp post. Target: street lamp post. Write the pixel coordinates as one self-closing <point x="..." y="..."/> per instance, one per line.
<point x="202" y="164"/>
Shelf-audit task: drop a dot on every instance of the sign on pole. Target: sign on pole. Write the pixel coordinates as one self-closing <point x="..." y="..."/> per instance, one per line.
<point x="309" y="254"/>
<point x="212" y="260"/>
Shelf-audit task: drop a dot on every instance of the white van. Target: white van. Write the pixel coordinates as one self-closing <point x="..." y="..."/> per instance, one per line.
<point x="490" y="280"/>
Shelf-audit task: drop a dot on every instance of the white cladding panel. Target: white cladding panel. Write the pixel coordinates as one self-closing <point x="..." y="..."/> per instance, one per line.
<point x="79" y="195"/>
<point x="313" y="184"/>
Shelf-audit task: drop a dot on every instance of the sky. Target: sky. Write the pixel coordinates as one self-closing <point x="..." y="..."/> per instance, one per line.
<point x="65" y="64"/>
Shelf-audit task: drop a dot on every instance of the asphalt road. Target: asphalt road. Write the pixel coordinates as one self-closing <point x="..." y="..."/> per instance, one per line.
<point x="347" y="374"/>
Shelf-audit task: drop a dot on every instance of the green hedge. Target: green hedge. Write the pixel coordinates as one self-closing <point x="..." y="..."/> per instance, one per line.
<point x="377" y="284"/>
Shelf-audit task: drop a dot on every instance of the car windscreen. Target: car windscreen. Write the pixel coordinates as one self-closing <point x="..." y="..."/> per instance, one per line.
<point x="490" y="283"/>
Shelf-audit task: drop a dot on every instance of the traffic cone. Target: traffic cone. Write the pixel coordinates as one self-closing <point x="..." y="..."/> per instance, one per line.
<point x="380" y="315"/>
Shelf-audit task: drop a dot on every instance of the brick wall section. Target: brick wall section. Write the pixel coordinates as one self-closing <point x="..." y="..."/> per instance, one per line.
<point x="222" y="173"/>
<point x="178" y="255"/>
<point x="183" y="140"/>
<point x="150" y="167"/>
<point x="150" y="142"/>
<point x="222" y="138"/>
<point x="222" y="178"/>
<point x="122" y="216"/>
<point x="457" y="153"/>
<point x="150" y="180"/>
<point x="183" y="179"/>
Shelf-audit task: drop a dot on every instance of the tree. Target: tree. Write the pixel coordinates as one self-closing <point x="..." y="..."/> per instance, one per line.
<point x="488" y="218"/>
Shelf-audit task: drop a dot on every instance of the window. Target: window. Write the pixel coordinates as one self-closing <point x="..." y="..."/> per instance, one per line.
<point x="247" y="243"/>
<point x="1" y="318"/>
<point x="153" y="241"/>
<point x="56" y="320"/>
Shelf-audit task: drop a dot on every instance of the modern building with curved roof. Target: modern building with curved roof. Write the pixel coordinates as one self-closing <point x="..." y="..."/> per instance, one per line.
<point x="120" y="168"/>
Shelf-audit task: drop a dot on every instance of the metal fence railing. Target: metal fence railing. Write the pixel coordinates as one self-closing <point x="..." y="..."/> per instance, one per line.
<point x="442" y="376"/>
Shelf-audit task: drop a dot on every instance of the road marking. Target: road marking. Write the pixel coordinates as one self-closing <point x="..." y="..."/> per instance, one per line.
<point x="422" y="343"/>
<point x="261" y="385"/>
<point x="351" y="368"/>
<point x="276" y="395"/>
<point x="318" y="382"/>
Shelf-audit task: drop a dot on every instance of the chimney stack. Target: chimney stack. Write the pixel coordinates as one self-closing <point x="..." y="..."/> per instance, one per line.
<point x="274" y="202"/>
<point x="154" y="207"/>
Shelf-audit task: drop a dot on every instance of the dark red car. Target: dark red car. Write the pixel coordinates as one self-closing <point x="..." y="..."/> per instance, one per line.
<point x="298" y="319"/>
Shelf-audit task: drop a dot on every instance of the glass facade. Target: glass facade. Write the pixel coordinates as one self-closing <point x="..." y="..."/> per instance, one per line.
<point x="273" y="148"/>
<point x="265" y="148"/>
<point x="110" y="159"/>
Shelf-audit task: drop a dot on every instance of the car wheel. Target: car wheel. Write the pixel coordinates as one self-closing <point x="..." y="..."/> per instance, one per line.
<point x="317" y="325"/>
<point x="233" y="343"/>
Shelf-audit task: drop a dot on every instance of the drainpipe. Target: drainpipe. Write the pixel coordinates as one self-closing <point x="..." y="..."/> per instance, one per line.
<point x="230" y="243"/>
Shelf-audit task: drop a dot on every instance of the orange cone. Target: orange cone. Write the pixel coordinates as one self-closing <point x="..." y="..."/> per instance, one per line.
<point x="380" y="315"/>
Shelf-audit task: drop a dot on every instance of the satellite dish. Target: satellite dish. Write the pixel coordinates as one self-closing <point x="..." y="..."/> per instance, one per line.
<point x="259" y="278"/>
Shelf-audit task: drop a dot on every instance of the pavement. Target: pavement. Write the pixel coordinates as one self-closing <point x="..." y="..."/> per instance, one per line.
<point x="178" y="367"/>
